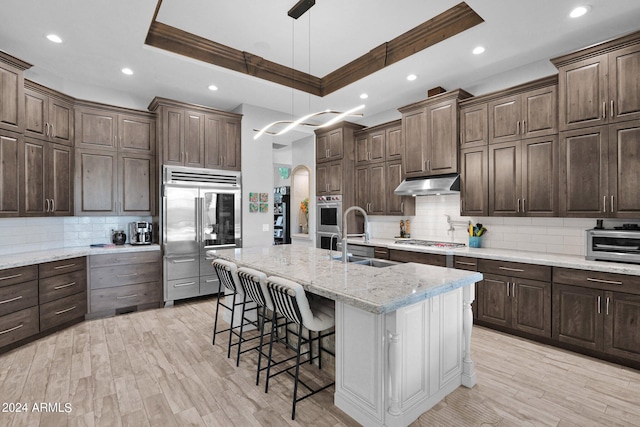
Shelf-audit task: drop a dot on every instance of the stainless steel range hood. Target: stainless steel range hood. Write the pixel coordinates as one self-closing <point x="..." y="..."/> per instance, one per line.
<point x="429" y="186"/>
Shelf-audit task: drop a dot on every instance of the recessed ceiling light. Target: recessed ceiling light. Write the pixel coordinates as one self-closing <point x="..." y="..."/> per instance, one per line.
<point x="54" y="38"/>
<point x="478" y="50"/>
<point x="411" y="77"/>
<point x="364" y="96"/>
<point x="213" y="87"/>
<point x="579" y="11"/>
<point x="127" y="71"/>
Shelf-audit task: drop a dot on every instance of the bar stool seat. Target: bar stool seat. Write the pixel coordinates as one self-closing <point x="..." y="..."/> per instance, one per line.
<point x="228" y="274"/>
<point x="290" y="301"/>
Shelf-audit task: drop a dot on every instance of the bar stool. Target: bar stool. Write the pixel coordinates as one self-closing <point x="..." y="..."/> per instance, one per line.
<point x="290" y="300"/>
<point x="228" y="274"/>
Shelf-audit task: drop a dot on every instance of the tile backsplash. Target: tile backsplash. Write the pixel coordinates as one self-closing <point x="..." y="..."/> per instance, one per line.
<point x="551" y="235"/>
<point x="36" y="234"/>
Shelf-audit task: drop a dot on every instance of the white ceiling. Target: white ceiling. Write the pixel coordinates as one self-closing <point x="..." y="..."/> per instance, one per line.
<point x="101" y="37"/>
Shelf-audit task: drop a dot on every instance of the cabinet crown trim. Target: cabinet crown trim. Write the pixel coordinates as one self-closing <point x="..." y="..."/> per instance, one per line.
<point x="597" y="49"/>
<point x="12" y="60"/>
<point x="452" y="94"/>
<point x="158" y="102"/>
<point x="521" y="88"/>
<point x="381" y="126"/>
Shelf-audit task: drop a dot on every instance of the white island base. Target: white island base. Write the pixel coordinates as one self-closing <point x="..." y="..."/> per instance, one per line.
<point x="393" y="367"/>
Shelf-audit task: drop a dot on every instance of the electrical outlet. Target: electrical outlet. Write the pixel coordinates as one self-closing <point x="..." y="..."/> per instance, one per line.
<point x="265" y="227"/>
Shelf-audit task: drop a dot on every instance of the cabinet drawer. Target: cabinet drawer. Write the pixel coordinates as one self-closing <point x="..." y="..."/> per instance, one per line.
<point x="18" y="297"/>
<point x="124" y="258"/>
<point x="61" y="286"/>
<point x="419" y="257"/>
<point x="381" y="252"/>
<point x="182" y="267"/>
<point x="183" y="288"/>
<point x="11" y="276"/>
<point x="597" y="280"/>
<point x="125" y="296"/>
<point x="515" y="269"/>
<point x="55" y="268"/>
<point x="108" y="277"/>
<point x="62" y="310"/>
<point x="206" y="268"/>
<point x="209" y="285"/>
<point x="465" y="263"/>
<point x="18" y="325"/>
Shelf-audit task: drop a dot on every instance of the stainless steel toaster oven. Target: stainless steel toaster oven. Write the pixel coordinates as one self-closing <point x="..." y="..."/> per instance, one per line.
<point x="613" y="245"/>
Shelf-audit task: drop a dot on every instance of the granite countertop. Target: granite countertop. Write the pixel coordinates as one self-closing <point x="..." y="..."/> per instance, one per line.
<point x="28" y="258"/>
<point x="377" y="290"/>
<point x="550" y="259"/>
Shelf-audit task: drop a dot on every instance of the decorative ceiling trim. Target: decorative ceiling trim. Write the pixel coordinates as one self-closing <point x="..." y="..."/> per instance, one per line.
<point x="443" y="26"/>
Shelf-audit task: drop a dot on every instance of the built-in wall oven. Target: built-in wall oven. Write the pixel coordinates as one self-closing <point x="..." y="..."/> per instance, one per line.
<point x="328" y="220"/>
<point x="621" y="245"/>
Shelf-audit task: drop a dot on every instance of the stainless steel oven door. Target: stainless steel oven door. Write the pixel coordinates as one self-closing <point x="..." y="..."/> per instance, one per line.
<point x="324" y="240"/>
<point x="329" y="214"/>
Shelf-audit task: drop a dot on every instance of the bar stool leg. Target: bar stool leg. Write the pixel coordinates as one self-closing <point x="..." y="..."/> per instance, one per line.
<point x="215" y="321"/>
<point x="295" y="386"/>
<point x="233" y="310"/>
<point x="244" y="305"/>
<point x="273" y="328"/>
<point x="264" y="319"/>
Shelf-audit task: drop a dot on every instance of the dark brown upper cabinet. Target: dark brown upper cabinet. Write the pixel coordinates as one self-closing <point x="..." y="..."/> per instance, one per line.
<point x="12" y="92"/>
<point x="599" y="84"/>
<point x="49" y="115"/>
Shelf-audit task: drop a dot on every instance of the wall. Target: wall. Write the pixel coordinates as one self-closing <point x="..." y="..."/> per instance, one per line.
<point x="550" y="235"/>
<point x="37" y="234"/>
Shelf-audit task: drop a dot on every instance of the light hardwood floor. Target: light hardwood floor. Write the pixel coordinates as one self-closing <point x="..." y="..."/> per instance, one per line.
<point x="159" y="368"/>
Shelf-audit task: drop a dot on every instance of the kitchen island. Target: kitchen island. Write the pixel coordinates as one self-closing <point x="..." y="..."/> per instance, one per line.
<point x="403" y="332"/>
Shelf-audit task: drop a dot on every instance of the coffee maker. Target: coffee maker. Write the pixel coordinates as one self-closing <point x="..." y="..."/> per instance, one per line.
<point x="140" y="233"/>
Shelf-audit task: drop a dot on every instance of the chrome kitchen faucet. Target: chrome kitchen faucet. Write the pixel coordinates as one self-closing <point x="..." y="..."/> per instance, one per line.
<point x="345" y="235"/>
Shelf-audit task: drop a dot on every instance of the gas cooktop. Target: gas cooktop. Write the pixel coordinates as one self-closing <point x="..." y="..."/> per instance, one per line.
<point x="430" y="243"/>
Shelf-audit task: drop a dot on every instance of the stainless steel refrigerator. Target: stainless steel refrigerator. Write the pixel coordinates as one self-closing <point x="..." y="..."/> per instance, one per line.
<point x="201" y="210"/>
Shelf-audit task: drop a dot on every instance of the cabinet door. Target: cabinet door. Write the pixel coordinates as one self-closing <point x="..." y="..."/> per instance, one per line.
<point x="377" y="189"/>
<point x="622" y="316"/>
<point x="61" y="119"/>
<point x="59" y="185"/>
<point x="10" y="158"/>
<point x="414" y="133"/>
<point x="193" y="139"/>
<point x="577" y="316"/>
<point x="363" y="187"/>
<point x="474" y="185"/>
<point x="322" y="147"/>
<point x="540" y="112"/>
<point x="377" y="142"/>
<point x="624" y="164"/>
<point x="531" y="307"/>
<point x="583" y="172"/>
<point x="362" y="149"/>
<point x="505" y="119"/>
<point x="136" y="184"/>
<point x="583" y="93"/>
<point x="137" y="134"/>
<point x="172" y="136"/>
<point x="473" y="126"/>
<point x="442" y="138"/>
<point x="322" y="183"/>
<point x="231" y="140"/>
<point x="539" y="176"/>
<point x="335" y="177"/>
<point x="212" y="141"/>
<point x="33" y="180"/>
<point x="624" y="84"/>
<point x="394" y="149"/>
<point x="505" y="183"/>
<point x="96" y="129"/>
<point x="35" y="114"/>
<point x="96" y="182"/>
<point x="336" y="144"/>
<point x="494" y="300"/>
<point x="11" y="98"/>
<point x="397" y="205"/>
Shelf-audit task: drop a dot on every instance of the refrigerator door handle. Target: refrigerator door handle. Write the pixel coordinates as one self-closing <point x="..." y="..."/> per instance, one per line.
<point x="199" y="221"/>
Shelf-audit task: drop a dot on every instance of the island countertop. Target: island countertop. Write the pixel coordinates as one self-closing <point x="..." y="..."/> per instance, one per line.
<point x="376" y="290"/>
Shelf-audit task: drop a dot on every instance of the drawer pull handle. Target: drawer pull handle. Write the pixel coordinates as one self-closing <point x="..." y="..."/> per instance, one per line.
<point x="180" y="261"/>
<point x="128" y="275"/>
<point x="66" y="310"/>
<point x="493" y="281"/>
<point x="15" y="328"/>
<point x="126" y="259"/>
<point x="64" y="286"/>
<point x="519" y="270"/>
<point x="608" y="282"/>
<point x="127" y="296"/>
<point x="60" y="267"/>
<point x="210" y="280"/>
<point x="465" y="263"/>
<point x="11" y="299"/>
<point x="11" y="277"/>
<point x="181" y="285"/>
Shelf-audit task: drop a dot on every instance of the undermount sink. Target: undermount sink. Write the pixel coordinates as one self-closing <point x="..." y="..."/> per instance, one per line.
<point x="371" y="262"/>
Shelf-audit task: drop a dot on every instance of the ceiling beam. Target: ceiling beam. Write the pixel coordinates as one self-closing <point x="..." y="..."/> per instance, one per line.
<point x="447" y="24"/>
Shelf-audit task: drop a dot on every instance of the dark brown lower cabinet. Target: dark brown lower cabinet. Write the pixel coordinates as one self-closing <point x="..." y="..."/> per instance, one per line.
<point x="515" y="303"/>
<point x="597" y="320"/>
<point x="419" y="257"/>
